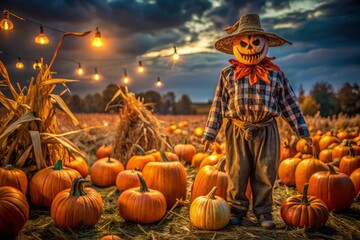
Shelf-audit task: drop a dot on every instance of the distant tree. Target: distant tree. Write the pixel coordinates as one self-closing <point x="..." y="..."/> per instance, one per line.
<point x="94" y="103"/>
<point x="301" y="94"/>
<point x="76" y="103"/>
<point x="153" y="97"/>
<point x="183" y="106"/>
<point x="324" y="95"/>
<point x="169" y="101"/>
<point x="349" y="99"/>
<point x="309" y="106"/>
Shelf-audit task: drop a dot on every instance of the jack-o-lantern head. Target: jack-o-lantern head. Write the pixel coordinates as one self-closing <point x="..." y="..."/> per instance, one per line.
<point x="250" y="49"/>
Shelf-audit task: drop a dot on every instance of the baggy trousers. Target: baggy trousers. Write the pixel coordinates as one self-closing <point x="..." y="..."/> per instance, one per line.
<point x="255" y="158"/>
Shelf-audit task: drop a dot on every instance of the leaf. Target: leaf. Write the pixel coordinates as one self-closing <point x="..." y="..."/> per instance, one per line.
<point x="20" y="162"/>
<point x="27" y="117"/>
<point x="65" y="108"/>
<point x="113" y="98"/>
<point x="57" y="81"/>
<point x="36" y="140"/>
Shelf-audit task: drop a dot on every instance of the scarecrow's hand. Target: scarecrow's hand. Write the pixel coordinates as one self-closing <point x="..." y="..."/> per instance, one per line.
<point x="207" y="144"/>
<point x="308" y="140"/>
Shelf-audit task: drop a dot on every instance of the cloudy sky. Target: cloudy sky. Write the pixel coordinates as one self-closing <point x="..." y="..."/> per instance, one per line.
<point x="325" y="36"/>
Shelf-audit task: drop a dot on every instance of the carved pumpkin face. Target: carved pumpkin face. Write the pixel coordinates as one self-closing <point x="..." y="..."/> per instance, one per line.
<point x="250" y="49"/>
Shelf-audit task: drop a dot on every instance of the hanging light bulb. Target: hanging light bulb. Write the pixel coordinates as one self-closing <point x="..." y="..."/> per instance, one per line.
<point x="96" y="75"/>
<point x="158" y="82"/>
<point x="19" y="64"/>
<point x="42" y="39"/>
<point x="37" y="65"/>
<point x="80" y="71"/>
<point x="6" y="24"/>
<point x="176" y="56"/>
<point x="140" y="68"/>
<point x="126" y="78"/>
<point x="97" y="41"/>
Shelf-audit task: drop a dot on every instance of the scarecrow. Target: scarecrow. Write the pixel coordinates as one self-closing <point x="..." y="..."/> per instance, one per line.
<point x="250" y="94"/>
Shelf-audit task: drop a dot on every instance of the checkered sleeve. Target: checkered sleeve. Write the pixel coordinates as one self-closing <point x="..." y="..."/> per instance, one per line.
<point x="290" y="109"/>
<point x="215" y="116"/>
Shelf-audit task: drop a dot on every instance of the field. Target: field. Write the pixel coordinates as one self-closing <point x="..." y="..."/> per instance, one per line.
<point x="100" y="129"/>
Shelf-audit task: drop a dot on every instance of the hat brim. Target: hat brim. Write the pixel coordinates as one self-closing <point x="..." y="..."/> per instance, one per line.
<point x="225" y="44"/>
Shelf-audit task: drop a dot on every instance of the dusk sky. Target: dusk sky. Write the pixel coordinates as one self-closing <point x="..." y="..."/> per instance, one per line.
<point x="325" y="36"/>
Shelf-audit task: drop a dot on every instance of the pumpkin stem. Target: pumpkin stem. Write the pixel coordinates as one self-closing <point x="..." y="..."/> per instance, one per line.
<point x="221" y="164"/>
<point x="163" y="156"/>
<point x="331" y="169"/>
<point x="140" y="149"/>
<point x="143" y="186"/>
<point x="9" y="167"/>
<point x="351" y="150"/>
<point x="109" y="160"/>
<point x="58" y="165"/>
<point x="304" y="199"/>
<point x="77" y="187"/>
<point x="211" y="194"/>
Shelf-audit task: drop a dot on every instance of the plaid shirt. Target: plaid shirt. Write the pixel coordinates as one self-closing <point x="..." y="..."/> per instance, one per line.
<point x="237" y="99"/>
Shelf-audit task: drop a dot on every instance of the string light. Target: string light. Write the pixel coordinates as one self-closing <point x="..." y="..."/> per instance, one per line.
<point x="41" y="39"/>
<point x="37" y="65"/>
<point x="96" y="75"/>
<point x="158" y="82"/>
<point x="97" y="41"/>
<point x="80" y="71"/>
<point x="6" y="24"/>
<point x="140" y="68"/>
<point x="126" y="79"/>
<point x="175" y="56"/>
<point x="19" y="64"/>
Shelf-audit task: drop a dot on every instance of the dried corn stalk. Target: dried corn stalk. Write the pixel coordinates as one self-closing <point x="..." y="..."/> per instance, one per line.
<point x="29" y="136"/>
<point x="137" y="125"/>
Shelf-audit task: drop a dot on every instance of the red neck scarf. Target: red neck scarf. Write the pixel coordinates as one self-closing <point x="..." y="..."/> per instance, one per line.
<point x="254" y="72"/>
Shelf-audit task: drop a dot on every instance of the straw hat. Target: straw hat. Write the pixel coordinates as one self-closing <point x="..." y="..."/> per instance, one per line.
<point x="248" y="24"/>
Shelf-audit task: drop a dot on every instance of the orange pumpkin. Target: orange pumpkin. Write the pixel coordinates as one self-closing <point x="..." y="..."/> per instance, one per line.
<point x="355" y="178"/>
<point x="286" y="170"/>
<point x="327" y="185"/>
<point x="110" y="237"/>
<point x="172" y="157"/>
<point x="325" y="155"/>
<point x="305" y="169"/>
<point x="48" y="182"/>
<point x="328" y="139"/>
<point x="103" y="151"/>
<point x="185" y="151"/>
<point x="77" y="207"/>
<point x="13" y="177"/>
<point x="341" y="150"/>
<point x="169" y="178"/>
<point x="304" y="211"/>
<point x="197" y="158"/>
<point x="198" y="132"/>
<point x="142" y="205"/>
<point x="303" y="147"/>
<point x="139" y="161"/>
<point x="127" y="179"/>
<point x="349" y="163"/>
<point x="104" y="171"/>
<point x="287" y="151"/>
<point x="78" y="163"/>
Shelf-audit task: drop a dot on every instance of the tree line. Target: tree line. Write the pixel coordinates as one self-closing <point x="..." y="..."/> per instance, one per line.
<point x="321" y="98"/>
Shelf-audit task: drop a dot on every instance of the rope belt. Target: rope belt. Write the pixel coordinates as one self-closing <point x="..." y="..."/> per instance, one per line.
<point x="253" y="130"/>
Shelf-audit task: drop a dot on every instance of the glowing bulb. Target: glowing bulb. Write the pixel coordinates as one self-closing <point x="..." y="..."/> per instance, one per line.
<point x="19" y="64"/>
<point x="140" y="68"/>
<point x="80" y="71"/>
<point x="6" y="24"/>
<point x="126" y="80"/>
<point x="175" y="56"/>
<point x="37" y="65"/>
<point x="97" y="41"/>
<point x="41" y="39"/>
<point x="158" y="82"/>
<point x="96" y="75"/>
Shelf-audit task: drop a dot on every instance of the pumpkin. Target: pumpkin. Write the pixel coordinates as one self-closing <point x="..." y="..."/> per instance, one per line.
<point x="185" y="151"/>
<point x="286" y="170"/>
<point x="110" y="237"/>
<point x="212" y="159"/>
<point x="349" y="163"/>
<point x="305" y="169"/>
<point x="304" y="211"/>
<point x="346" y="134"/>
<point x="78" y="163"/>
<point x="48" y="182"/>
<point x="209" y="212"/>
<point x="172" y="157"/>
<point x="355" y="178"/>
<point x="198" y="132"/>
<point x="286" y="150"/>
<point x="335" y="189"/>
<point x="303" y="147"/>
<point x="127" y="179"/>
<point x="77" y="207"/>
<point x="197" y="158"/>
<point x="14" y="211"/>
<point x="104" y="171"/>
<point x="183" y="124"/>
<point x="208" y="177"/>
<point x="328" y="139"/>
<point x="169" y="178"/>
<point x="13" y="177"/>
<point x="250" y="49"/>
<point x="325" y="155"/>
<point x="141" y="205"/>
<point x="341" y="150"/>
<point x="139" y="161"/>
<point x="103" y="151"/>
